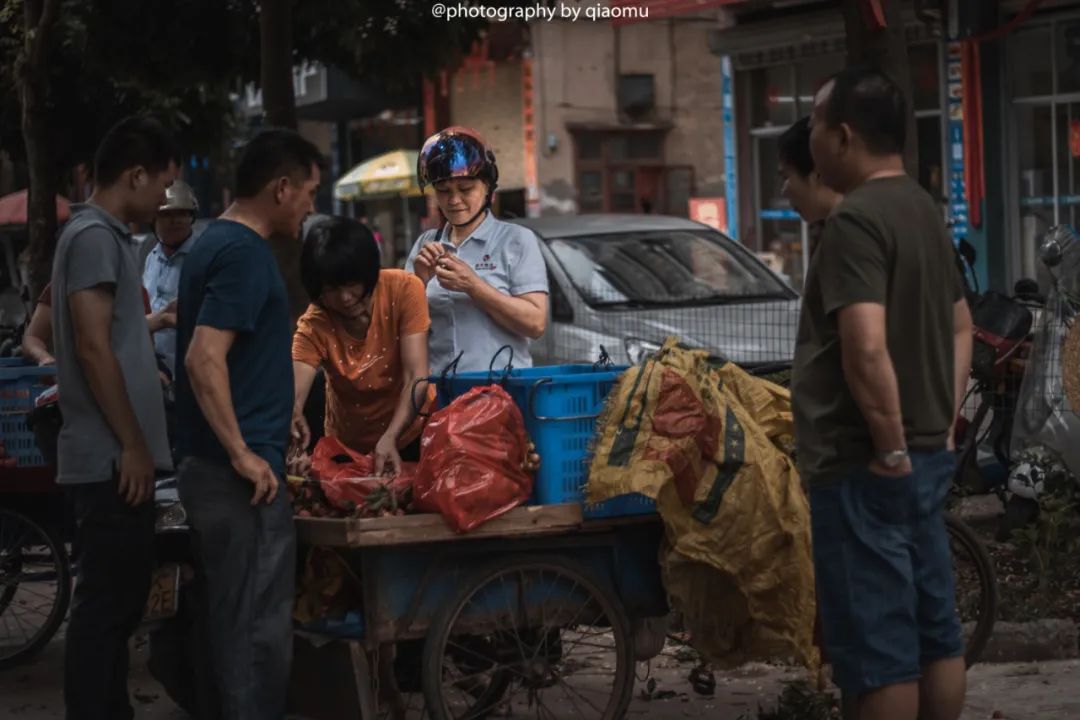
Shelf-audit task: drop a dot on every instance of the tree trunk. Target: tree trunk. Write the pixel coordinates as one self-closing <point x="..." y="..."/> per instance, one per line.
<point x="279" y="110"/>
<point x="276" y="58"/>
<point x="39" y="17"/>
<point x="886" y="50"/>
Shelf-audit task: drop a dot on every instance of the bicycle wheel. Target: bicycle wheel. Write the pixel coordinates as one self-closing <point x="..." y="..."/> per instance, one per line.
<point x="968" y="478"/>
<point x="532" y="636"/>
<point x="35" y="587"/>
<point x="976" y="587"/>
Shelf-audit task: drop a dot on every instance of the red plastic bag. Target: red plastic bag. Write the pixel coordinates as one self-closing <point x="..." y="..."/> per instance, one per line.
<point x="346" y="477"/>
<point x="471" y="459"/>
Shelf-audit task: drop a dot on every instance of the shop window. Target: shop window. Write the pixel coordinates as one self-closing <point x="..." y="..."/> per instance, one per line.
<point x="1067" y="47"/>
<point x="1030" y="62"/>
<point x="814" y="72"/>
<point x="931" y="172"/>
<point x="591" y="191"/>
<point x="620" y="171"/>
<point x="773" y="96"/>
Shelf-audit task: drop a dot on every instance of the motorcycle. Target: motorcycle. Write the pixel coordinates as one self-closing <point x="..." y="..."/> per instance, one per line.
<point x="1045" y="455"/>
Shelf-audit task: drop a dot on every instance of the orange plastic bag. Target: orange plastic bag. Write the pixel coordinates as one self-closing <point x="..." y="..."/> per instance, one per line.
<point x="472" y="455"/>
<point x="347" y="478"/>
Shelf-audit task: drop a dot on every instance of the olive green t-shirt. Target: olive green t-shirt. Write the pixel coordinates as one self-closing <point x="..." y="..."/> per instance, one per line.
<point x="885" y="243"/>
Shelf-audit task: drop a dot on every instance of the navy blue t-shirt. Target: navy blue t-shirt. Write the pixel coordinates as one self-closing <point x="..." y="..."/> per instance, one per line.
<point x="231" y="281"/>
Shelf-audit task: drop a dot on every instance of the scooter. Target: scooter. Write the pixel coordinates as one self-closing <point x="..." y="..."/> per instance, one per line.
<point x="1043" y="446"/>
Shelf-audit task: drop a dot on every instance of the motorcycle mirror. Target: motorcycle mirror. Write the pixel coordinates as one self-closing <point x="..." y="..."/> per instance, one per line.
<point x="1052" y="250"/>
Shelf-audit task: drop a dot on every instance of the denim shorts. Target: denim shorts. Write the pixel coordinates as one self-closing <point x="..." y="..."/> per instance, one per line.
<point x="885" y="586"/>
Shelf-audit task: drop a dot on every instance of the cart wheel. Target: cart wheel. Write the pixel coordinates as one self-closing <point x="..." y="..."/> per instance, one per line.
<point x="534" y="636"/>
<point x="35" y="587"/>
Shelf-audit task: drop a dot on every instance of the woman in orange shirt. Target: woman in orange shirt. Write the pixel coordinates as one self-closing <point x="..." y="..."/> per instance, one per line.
<point x="367" y="328"/>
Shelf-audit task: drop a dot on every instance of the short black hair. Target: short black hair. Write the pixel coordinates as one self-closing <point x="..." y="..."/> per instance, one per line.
<point x="794" y="147"/>
<point x="272" y="154"/>
<point x="133" y="142"/>
<point x="339" y="251"/>
<point x="873" y="105"/>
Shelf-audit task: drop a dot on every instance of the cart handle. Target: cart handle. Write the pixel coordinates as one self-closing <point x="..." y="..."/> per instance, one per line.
<point x="543" y="418"/>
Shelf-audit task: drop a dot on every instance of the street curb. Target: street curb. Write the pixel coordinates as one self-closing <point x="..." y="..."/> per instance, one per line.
<point x="1035" y="641"/>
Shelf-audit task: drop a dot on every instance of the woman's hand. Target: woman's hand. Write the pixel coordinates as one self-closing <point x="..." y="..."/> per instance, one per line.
<point x="455" y="274"/>
<point x="299" y="464"/>
<point x="300" y="434"/>
<point x="425" y="261"/>
<point x="387" y="458"/>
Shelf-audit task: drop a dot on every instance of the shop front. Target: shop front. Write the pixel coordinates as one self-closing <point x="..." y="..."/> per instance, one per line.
<point x="1042" y="143"/>
<point x="777" y="69"/>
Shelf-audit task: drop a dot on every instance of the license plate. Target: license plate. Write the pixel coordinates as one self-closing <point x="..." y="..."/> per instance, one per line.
<point x="164" y="597"/>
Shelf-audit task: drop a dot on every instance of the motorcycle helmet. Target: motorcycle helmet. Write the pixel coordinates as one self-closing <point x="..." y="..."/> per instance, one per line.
<point x="457" y="152"/>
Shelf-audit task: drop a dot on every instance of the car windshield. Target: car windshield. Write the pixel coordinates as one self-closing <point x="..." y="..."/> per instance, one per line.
<point x="663" y="268"/>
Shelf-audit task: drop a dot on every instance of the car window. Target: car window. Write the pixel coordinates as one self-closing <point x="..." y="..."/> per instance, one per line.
<point x="679" y="267"/>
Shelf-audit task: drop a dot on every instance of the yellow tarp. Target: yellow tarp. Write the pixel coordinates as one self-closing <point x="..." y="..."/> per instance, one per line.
<point x="711" y="445"/>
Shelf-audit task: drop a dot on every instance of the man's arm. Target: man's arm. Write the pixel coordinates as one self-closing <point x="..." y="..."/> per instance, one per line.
<point x="870" y="375"/>
<point x="208" y="372"/>
<point x="963" y="342"/>
<point x="91" y="319"/>
<point x="38" y="336"/>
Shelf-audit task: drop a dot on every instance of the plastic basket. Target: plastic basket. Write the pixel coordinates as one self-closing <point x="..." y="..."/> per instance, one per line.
<point x="560" y="405"/>
<point x="19" y="386"/>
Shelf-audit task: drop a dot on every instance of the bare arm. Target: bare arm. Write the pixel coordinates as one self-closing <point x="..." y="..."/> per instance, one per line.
<point x="524" y="315"/>
<point x="870" y="375"/>
<point x="208" y="371"/>
<point x="962" y="343"/>
<point x="209" y="374"/>
<point x="91" y="320"/>
<point x="38" y="338"/>
<point x="414" y="360"/>
<point x="303" y="379"/>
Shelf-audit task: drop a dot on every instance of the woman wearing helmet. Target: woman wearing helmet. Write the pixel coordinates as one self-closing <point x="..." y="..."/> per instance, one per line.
<point x="173" y="228"/>
<point x="486" y="279"/>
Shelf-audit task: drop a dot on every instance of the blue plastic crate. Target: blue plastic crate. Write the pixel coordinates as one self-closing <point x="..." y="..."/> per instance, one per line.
<point x="19" y="387"/>
<point x="560" y="405"/>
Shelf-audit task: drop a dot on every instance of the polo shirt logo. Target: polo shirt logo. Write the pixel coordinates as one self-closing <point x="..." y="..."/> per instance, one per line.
<point x="485" y="264"/>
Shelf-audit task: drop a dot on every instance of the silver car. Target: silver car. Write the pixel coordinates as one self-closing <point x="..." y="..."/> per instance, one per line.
<point x="627" y="282"/>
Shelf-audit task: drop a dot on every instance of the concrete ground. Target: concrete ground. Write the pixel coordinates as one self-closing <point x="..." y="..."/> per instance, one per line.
<point x="1043" y="691"/>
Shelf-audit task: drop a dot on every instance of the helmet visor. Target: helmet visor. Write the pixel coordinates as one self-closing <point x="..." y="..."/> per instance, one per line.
<point x="451" y="157"/>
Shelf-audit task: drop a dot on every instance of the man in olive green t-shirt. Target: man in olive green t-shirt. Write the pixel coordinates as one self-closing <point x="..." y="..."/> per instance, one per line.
<point x="883" y="351"/>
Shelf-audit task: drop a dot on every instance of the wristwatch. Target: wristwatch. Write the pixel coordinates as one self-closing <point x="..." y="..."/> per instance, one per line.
<point x="893" y="459"/>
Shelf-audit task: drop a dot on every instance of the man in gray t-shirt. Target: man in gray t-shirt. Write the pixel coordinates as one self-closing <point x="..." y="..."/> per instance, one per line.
<point x="113" y="438"/>
<point x="96" y="250"/>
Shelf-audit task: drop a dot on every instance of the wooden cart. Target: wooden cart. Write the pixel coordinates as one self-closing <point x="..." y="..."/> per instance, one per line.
<point x="538" y="612"/>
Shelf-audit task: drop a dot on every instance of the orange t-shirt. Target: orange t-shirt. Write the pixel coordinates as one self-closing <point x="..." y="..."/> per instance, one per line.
<point x="364" y="378"/>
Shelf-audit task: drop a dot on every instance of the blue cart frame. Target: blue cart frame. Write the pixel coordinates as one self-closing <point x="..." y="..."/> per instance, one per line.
<point x="413" y="569"/>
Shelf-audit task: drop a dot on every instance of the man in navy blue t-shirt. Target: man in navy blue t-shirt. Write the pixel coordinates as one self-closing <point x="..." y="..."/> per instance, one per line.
<point x="234" y="407"/>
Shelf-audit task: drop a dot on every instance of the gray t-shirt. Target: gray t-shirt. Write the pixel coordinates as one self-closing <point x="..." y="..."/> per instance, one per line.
<point x="507" y="257"/>
<point x="97" y="249"/>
